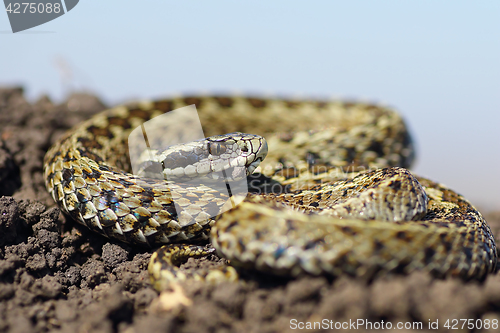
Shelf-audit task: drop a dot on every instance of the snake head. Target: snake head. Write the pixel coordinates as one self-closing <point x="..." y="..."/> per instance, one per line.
<point x="231" y="156"/>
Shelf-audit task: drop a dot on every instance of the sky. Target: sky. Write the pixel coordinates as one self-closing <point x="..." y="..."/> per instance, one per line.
<point x="436" y="62"/>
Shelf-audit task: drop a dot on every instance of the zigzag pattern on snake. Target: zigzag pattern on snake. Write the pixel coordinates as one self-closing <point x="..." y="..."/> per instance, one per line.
<point x="332" y="197"/>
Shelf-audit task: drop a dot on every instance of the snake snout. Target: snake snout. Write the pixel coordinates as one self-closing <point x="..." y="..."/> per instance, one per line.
<point x="259" y="154"/>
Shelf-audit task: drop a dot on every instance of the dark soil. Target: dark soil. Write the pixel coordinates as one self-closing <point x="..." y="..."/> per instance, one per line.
<point x="55" y="275"/>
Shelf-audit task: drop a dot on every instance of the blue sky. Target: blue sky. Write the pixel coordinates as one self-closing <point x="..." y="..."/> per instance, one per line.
<point x="437" y="62"/>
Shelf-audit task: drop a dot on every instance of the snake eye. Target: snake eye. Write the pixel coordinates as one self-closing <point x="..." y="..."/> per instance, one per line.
<point x="216" y="148"/>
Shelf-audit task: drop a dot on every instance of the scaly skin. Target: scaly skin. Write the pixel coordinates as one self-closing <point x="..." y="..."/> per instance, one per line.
<point x="342" y="161"/>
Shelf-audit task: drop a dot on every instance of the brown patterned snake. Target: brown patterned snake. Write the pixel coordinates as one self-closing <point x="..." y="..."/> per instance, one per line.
<point x="332" y="196"/>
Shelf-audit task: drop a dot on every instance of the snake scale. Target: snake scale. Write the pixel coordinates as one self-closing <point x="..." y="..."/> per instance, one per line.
<point x="332" y="197"/>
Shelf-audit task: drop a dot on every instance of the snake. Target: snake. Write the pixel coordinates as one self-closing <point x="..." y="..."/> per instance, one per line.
<point x="329" y="192"/>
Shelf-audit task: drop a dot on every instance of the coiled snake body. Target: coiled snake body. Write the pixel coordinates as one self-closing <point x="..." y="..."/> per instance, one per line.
<point x="332" y="197"/>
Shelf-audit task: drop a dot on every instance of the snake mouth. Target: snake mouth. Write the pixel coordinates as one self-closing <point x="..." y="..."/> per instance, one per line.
<point x="263" y="151"/>
<point x="251" y="168"/>
<point x="259" y="157"/>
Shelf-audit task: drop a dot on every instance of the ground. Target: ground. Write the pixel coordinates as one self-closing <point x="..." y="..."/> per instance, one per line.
<point x="57" y="276"/>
